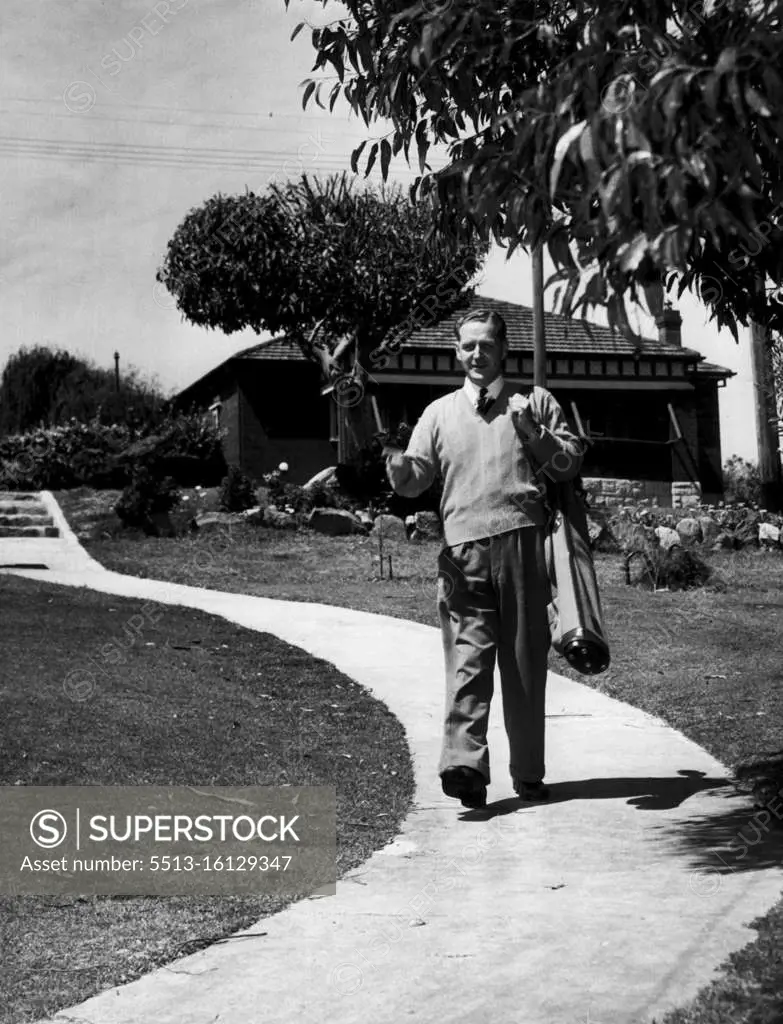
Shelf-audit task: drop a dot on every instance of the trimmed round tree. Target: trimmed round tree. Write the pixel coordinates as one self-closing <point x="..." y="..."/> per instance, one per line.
<point x="343" y="272"/>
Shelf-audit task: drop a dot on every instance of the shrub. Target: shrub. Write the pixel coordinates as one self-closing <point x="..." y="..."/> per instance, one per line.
<point x="145" y="496"/>
<point x="285" y="495"/>
<point x="185" y="446"/>
<point x="94" y="454"/>
<point x="329" y="497"/>
<point x="674" y="569"/>
<point x="72" y="455"/>
<point x="90" y="392"/>
<point x="237" y="491"/>
<point x="43" y="387"/>
<point x="189" y="433"/>
<point x="741" y="481"/>
<point x="28" y="384"/>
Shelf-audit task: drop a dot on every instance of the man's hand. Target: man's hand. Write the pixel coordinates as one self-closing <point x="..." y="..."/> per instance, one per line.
<point x="398" y="466"/>
<point x="522" y="416"/>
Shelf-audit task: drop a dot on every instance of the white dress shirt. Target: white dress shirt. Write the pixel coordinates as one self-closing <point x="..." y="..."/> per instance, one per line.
<point x="473" y="390"/>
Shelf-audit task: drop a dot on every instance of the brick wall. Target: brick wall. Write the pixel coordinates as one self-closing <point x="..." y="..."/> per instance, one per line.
<point x="685" y="494"/>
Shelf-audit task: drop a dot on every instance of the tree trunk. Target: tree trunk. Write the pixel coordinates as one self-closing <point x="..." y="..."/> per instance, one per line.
<point x="654" y="294"/>
<point x="539" y="330"/>
<point x="348" y="384"/>
<point x="357" y="427"/>
<point x="766" y="419"/>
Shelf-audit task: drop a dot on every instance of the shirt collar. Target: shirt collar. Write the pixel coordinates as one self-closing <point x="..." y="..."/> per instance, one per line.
<point x="493" y="390"/>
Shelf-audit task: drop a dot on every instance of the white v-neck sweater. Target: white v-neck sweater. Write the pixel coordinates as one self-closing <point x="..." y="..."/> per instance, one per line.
<point x="490" y="485"/>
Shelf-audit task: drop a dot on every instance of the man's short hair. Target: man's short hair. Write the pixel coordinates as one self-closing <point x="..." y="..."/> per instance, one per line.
<point x="484" y="316"/>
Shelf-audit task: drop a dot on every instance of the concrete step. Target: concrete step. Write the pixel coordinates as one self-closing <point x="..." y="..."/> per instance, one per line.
<point x="21" y="500"/>
<point x="23" y="510"/>
<point x="25" y="518"/>
<point x="19" y="495"/>
<point x="29" y="531"/>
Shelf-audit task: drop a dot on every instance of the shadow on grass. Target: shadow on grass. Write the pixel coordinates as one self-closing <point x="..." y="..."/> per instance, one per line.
<point x="737" y="839"/>
<point x="768" y="769"/>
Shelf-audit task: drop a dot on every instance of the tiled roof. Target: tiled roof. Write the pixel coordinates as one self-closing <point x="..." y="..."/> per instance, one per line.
<point x="713" y="370"/>
<point x="277" y="349"/>
<point x="563" y="334"/>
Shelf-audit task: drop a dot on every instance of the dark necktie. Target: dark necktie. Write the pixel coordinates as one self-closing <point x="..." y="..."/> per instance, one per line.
<point x="484" y="401"/>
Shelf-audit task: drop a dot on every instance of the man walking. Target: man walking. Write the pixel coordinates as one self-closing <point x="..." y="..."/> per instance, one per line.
<point x="490" y="445"/>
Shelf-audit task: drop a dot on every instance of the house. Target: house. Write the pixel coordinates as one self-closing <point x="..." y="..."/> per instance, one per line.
<point x="650" y="417"/>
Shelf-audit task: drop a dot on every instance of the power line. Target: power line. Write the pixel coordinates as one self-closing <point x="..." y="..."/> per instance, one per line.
<point x="195" y="110"/>
<point x="131" y="160"/>
<point x="152" y="147"/>
<point x="90" y="116"/>
<point x="163" y="156"/>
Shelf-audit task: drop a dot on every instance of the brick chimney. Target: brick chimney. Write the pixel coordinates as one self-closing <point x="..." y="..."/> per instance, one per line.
<point x="669" y="324"/>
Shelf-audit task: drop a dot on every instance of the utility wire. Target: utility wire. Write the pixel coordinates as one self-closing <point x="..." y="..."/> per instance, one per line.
<point x="90" y="116"/>
<point x="164" y="157"/>
<point x="196" y="110"/>
<point x="218" y="152"/>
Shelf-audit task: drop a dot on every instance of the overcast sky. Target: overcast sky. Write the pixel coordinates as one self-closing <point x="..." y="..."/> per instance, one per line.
<point x="119" y="116"/>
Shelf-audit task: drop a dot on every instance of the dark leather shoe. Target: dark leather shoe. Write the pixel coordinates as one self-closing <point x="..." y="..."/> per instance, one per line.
<point x="533" y="792"/>
<point x="465" y="784"/>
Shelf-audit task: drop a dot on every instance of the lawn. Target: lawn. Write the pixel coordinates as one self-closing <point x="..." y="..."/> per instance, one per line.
<point x="186" y="699"/>
<point x="707" y="661"/>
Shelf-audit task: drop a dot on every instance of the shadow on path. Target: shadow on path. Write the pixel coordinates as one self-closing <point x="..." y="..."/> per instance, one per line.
<point x="646" y="794"/>
<point x="744" y="838"/>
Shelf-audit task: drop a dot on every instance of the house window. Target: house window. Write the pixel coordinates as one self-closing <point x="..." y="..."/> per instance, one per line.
<point x="214" y="413"/>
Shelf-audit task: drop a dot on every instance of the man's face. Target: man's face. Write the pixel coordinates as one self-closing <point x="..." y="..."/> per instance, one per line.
<point x="480" y="353"/>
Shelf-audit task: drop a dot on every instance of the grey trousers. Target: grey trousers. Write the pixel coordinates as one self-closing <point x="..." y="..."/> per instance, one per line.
<point x="492" y="601"/>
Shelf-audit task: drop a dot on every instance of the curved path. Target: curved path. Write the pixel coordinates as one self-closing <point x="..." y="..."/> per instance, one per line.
<point x="609" y="905"/>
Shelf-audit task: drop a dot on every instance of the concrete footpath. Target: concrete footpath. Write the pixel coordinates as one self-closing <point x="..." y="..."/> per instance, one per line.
<point x="610" y="905"/>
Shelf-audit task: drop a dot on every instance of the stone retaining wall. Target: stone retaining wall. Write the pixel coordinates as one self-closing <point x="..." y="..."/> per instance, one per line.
<point x="608" y="492"/>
